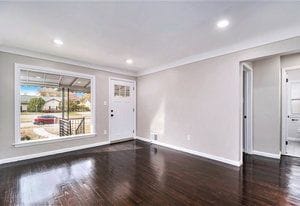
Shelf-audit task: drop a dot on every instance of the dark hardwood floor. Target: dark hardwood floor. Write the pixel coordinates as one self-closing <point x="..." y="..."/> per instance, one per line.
<point x="137" y="173"/>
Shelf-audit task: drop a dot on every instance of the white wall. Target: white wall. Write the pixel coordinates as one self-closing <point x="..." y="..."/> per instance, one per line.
<point x="290" y="60"/>
<point x="202" y="99"/>
<point x="7" y="110"/>
<point x="267" y="105"/>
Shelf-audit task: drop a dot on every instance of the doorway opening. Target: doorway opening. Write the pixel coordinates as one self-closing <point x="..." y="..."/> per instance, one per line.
<point x="291" y="111"/>
<point x="247" y="140"/>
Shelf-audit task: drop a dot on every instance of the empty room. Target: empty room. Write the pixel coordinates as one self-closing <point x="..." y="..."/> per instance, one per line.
<point x="149" y="103"/>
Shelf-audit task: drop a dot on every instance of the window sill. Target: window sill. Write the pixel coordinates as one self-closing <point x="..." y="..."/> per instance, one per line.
<point x="52" y="140"/>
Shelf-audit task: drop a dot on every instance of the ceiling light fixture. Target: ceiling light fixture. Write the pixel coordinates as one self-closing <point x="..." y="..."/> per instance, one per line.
<point x="129" y="61"/>
<point x="58" y="42"/>
<point x="223" y="23"/>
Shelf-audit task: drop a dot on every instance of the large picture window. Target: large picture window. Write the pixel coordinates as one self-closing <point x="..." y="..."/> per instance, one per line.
<point x="53" y="105"/>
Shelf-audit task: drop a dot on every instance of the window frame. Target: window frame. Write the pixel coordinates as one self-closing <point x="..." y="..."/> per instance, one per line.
<point x="17" y="139"/>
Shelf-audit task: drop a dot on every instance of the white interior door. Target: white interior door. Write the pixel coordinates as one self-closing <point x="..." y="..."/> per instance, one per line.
<point x="293" y="118"/>
<point x="121" y="109"/>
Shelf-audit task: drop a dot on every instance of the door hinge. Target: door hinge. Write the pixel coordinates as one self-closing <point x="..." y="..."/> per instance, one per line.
<point x="132" y="131"/>
<point x="286" y="80"/>
<point x="132" y="88"/>
<point x="133" y="109"/>
<point x="286" y="142"/>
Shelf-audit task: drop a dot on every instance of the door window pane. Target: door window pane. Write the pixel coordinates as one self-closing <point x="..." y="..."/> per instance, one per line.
<point x="121" y="91"/>
<point x="127" y="91"/>
<point x="117" y="90"/>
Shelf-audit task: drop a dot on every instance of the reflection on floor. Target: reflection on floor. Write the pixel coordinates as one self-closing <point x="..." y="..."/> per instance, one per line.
<point x="135" y="172"/>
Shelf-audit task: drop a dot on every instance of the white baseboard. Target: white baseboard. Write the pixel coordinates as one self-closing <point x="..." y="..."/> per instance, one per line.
<point x="209" y="156"/>
<point x="53" y="152"/>
<point x="265" y="154"/>
<point x="143" y="139"/>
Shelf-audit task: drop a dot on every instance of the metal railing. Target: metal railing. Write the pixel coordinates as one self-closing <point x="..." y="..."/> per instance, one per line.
<point x="81" y="127"/>
<point x="72" y="126"/>
<point x="65" y="128"/>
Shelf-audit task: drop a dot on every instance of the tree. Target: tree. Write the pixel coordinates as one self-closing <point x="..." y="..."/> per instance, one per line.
<point x="74" y="106"/>
<point x="86" y="97"/>
<point x="36" y="104"/>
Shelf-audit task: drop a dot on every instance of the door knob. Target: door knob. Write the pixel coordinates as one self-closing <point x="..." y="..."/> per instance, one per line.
<point x="111" y="115"/>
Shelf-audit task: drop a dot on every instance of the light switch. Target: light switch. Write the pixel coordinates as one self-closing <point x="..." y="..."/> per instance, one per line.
<point x="104" y="103"/>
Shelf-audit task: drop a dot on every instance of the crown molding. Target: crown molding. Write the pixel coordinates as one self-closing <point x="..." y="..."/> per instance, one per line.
<point x="28" y="53"/>
<point x="256" y="42"/>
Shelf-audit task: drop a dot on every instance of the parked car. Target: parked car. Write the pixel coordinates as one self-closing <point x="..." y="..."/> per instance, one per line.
<point x="45" y="119"/>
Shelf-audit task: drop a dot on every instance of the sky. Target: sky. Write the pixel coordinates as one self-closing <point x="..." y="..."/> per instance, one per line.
<point x="30" y="90"/>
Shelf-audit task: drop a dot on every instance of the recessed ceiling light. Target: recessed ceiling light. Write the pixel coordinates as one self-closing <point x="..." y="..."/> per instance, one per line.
<point x="223" y="23"/>
<point x="38" y="77"/>
<point x="79" y="82"/>
<point x="129" y="61"/>
<point x="58" y="42"/>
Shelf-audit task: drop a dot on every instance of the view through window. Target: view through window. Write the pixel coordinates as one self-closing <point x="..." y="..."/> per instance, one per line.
<point x="54" y="105"/>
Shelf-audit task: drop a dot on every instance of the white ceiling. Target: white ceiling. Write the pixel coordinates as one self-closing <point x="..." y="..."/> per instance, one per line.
<point x="155" y="35"/>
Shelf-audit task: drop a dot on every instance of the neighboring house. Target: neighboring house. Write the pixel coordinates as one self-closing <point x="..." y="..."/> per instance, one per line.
<point x="87" y="103"/>
<point x="52" y="104"/>
<point x="25" y="101"/>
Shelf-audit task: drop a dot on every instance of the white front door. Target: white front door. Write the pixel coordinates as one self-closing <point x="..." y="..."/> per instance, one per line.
<point x="121" y="109"/>
<point x="293" y="117"/>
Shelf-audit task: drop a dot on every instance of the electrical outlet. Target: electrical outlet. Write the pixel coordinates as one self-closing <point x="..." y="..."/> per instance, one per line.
<point x="188" y="137"/>
<point x="104" y="131"/>
<point x="153" y="136"/>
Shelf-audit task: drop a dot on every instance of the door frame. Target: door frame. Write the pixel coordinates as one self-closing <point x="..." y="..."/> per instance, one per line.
<point x="109" y="104"/>
<point x="249" y="109"/>
<point x="284" y="106"/>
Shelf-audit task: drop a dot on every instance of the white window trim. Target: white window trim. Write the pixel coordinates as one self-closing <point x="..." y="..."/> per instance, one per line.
<point x="18" y="68"/>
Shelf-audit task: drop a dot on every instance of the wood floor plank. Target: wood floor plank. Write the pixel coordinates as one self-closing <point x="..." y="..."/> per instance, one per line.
<point x="139" y="173"/>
